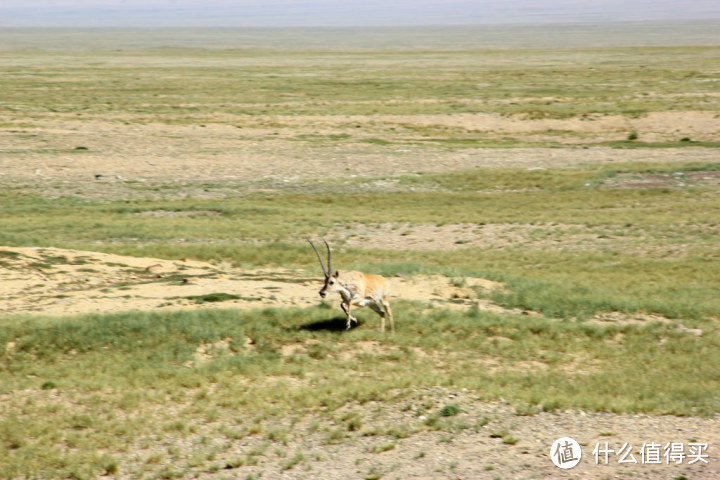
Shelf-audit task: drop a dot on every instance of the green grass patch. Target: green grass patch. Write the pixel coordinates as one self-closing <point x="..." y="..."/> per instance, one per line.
<point x="483" y="196"/>
<point x="213" y="297"/>
<point x="450" y="410"/>
<point x="680" y="143"/>
<point x="136" y="363"/>
<point x="638" y="250"/>
<point x="136" y="85"/>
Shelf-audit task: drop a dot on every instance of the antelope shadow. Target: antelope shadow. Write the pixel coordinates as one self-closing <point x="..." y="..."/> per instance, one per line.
<point x="337" y="324"/>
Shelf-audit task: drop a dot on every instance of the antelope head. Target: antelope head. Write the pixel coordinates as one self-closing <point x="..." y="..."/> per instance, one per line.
<point x="330" y="279"/>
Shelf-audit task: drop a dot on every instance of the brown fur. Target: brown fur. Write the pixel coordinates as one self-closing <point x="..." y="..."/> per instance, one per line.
<point x="360" y="290"/>
<point x="356" y="288"/>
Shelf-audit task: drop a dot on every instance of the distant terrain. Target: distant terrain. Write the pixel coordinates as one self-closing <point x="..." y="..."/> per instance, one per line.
<point x="582" y="33"/>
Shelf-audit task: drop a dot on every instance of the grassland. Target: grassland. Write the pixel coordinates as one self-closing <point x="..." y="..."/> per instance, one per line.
<point x="208" y="392"/>
<point x="105" y="367"/>
<point x="636" y="81"/>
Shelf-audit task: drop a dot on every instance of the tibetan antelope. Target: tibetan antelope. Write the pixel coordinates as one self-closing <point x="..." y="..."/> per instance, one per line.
<point x="356" y="288"/>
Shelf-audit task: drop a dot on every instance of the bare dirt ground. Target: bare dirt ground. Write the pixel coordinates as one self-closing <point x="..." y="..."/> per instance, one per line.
<point x="104" y="158"/>
<point x="509" y="446"/>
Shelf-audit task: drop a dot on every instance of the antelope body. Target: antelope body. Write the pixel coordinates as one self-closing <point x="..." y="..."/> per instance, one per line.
<point x="356" y="288"/>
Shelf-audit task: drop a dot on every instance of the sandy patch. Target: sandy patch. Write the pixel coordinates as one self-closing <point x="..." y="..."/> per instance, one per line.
<point x="55" y="281"/>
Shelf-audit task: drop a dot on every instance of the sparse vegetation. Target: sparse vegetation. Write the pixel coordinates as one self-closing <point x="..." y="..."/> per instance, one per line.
<point x="450" y="410"/>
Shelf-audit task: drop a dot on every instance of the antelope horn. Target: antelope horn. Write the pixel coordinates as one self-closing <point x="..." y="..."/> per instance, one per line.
<point x="329" y="272"/>
<point x="322" y="265"/>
